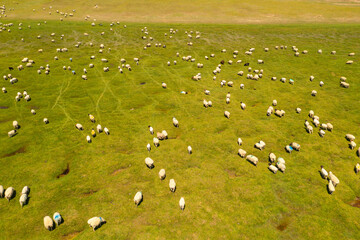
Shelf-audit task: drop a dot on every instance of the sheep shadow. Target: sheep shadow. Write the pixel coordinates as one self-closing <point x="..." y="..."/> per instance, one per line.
<point x="12" y="196"/>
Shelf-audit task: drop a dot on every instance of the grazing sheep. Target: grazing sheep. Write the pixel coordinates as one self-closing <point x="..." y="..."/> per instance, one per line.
<point x="288" y="148"/>
<point x="319" y="51"/>
<point x="295" y="146"/>
<point x="57" y="218"/>
<point x="148" y="147"/>
<point x="358" y="152"/>
<point x="79" y="126"/>
<point x="243" y="106"/>
<point x="334" y="179"/>
<point x="273" y="169"/>
<point x="298" y="110"/>
<point x="175" y="122"/>
<point x="281" y="166"/>
<point x="352" y="145"/>
<point x="321" y="133"/>
<point x="350" y="62"/>
<point x="274" y="103"/>
<point x="357" y="170"/>
<point x="88" y="139"/>
<point x="270" y="111"/>
<point x="46" y="121"/>
<point x="84" y="77"/>
<point x="25" y="190"/>
<point x="138" y="198"/>
<point x="350" y="137"/>
<point x="151" y="130"/>
<point x="95" y="222"/>
<point x="48" y="223"/>
<point x="313" y="93"/>
<point x="273" y="78"/>
<point x="324" y="174"/>
<point x="99" y="128"/>
<point x="205" y="103"/>
<point x="312" y="78"/>
<point x="210" y="103"/>
<point x="149" y="162"/>
<point x="329" y="127"/>
<point x="227" y="114"/>
<point x="23" y="199"/>
<point x="10" y="193"/>
<point x="242" y="153"/>
<point x="309" y="129"/>
<point x="333" y="52"/>
<point x="4" y="90"/>
<point x="172" y="185"/>
<point x="106" y="131"/>
<point x="162" y="174"/>
<point x="352" y="54"/>
<point x="227" y="100"/>
<point x="323" y="126"/>
<point x="331" y="187"/>
<point x="272" y="157"/>
<point x="156" y="141"/>
<point x="280" y="160"/>
<point x="239" y="141"/>
<point x="311" y="113"/>
<point x="344" y="84"/>
<point x="321" y="83"/>
<point x="189" y="148"/>
<point x="12" y="133"/>
<point x="242" y="86"/>
<point x="182" y="203"/>
<point x="16" y="125"/>
<point x="279" y="113"/>
<point x="252" y="159"/>
<point x="160" y="136"/>
<point x="2" y="191"/>
<point x="260" y="145"/>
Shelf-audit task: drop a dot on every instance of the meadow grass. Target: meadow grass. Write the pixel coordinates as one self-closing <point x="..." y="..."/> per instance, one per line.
<point x="226" y="197"/>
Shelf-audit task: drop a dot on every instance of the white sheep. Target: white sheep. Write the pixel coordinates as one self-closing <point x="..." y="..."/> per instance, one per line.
<point x="162" y="174"/>
<point x="274" y="103"/>
<point x="272" y="157"/>
<point x="189" y="148"/>
<point x="273" y="168"/>
<point x="350" y="137"/>
<point x="242" y="153"/>
<point x="23" y="199"/>
<point x="321" y="83"/>
<point x="148" y="147"/>
<point x="106" y="131"/>
<point x="227" y="100"/>
<point x="321" y="133"/>
<point x="95" y="222"/>
<point x="156" y="142"/>
<point x="352" y="54"/>
<point x="4" y="90"/>
<point x="12" y="133"/>
<point x="323" y="126"/>
<point x="175" y="122"/>
<point x="270" y="111"/>
<point x="227" y="114"/>
<point x="281" y="166"/>
<point x="57" y="218"/>
<point x="309" y="129"/>
<point x="25" y="190"/>
<point x="2" y="191"/>
<point x="242" y="86"/>
<point x="252" y="159"/>
<point x="88" y="139"/>
<point x="46" y="121"/>
<point x="313" y="93"/>
<point x="16" y="124"/>
<point x="79" y="126"/>
<point x="149" y="162"/>
<point x="182" y="203"/>
<point x="99" y="128"/>
<point x="352" y="145"/>
<point x="205" y="103"/>
<point x="344" y="84"/>
<point x="239" y="141"/>
<point x="172" y="185"/>
<point x="207" y="92"/>
<point x="357" y="168"/>
<point x="350" y="62"/>
<point x="330" y="127"/>
<point x="138" y="198"/>
<point x="243" y="106"/>
<point x="331" y="187"/>
<point x="298" y="110"/>
<point x="48" y="223"/>
<point x="334" y="179"/>
<point x="324" y="174"/>
<point x="312" y="78"/>
<point x="295" y="146"/>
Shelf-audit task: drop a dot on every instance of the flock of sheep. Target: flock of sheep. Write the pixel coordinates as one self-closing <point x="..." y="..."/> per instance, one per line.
<point x="275" y="163"/>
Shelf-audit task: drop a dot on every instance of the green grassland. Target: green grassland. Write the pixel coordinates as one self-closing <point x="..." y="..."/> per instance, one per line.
<point x="189" y="11"/>
<point x="226" y="197"/>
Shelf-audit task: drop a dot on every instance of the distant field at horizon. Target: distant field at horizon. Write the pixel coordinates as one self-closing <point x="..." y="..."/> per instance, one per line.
<point x="188" y="11"/>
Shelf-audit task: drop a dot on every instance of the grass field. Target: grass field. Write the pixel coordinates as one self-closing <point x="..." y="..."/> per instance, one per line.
<point x="200" y="11"/>
<point x="226" y="197"/>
